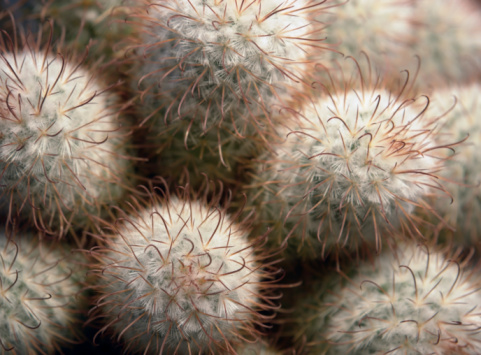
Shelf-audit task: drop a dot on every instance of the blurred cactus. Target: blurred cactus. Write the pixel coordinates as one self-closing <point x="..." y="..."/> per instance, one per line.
<point x="40" y="299"/>
<point x="446" y="41"/>
<point x="380" y="29"/>
<point x="460" y="108"/>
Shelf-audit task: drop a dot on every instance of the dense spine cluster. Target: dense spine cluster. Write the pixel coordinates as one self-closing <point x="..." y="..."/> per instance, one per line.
<point x="39" y="296"/>
<point x="354" y="169"/>
<point x="215" y="61"/>
<point x="61" y="147"/>
<point x="180" y="277"/>
<point x="415" y="302"/>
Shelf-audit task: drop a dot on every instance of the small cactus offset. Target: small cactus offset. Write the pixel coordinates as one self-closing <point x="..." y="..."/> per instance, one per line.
<point x="62" y="152"/>
<point x="180" y="277"/>
<point x="40" y="296"/>
<point x="359" y="163"/>
<point x="416" y="302"/>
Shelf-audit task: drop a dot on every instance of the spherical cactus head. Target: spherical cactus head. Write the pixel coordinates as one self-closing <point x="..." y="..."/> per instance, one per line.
<point x="417" y="300"/>
<point x="180" y="276"/>
<point x="40" y="295"/>
<point x="353" y="168"/>
<point x="216" y="59"/>
<point x="61" y="145"/>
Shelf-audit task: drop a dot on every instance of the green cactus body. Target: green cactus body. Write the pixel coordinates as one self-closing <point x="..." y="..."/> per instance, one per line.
<point x="101" y="22"/>
<point x="417" y="302"/>
<point x="182" y="278"/>
<point x="61" y="148"/>
<point x="39" y="296"/>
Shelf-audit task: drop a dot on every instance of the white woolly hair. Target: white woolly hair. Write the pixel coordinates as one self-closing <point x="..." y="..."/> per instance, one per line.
<point x="180" y="277"/>
<point x="415" y="302"/>
<point x="59" y="137"/>
<point x="210" y="57"/>
<point x="355" y="165"/>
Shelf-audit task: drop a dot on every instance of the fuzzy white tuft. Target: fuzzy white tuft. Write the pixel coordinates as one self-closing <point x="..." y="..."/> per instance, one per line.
<point x="416" y="303"/>
<point x="180" y="277"/>
<point x="59" y="136"/>
<point x="359" y="162"/>
<point x="218" y="56"/>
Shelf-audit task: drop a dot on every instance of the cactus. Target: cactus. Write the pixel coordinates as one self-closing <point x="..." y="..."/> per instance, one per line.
<point x="354" y="170"/>
<point x="40" y="299"/>
<point x="80" y="22"/>
<point x="415" y="302"/>
<point x="61" y="147"/>
<point x="180" y="277"/>
<point x="445" y="43"/>
<point x="215" y="61"/>
<point x="461" y="107"/>
<point x="382" y="30"/>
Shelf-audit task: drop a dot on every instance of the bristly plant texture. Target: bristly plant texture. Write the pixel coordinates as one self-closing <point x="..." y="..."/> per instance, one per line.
<point x="180" y="277"/>
<point x="354" y="170"/>
<point x="461" y="122"/>
<point x="40" y="298"/>
<point x="213" y="61"/>
<point x="415" y="302"/>
<point x="61" y="147"/>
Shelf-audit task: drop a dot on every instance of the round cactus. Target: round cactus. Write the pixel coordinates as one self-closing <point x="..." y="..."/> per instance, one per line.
<point x="353" y="170"/>
<point x="39" y="296"/>
<point x="416" y="302"/>
<point x="448" y="41"/>
<point x="461" y="110"/>
<point x="215" y="61"/>
<point x="61" y="147"/>
<point x="180" y="277"/>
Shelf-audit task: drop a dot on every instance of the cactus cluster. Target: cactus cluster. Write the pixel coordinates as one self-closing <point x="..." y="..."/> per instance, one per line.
<point x="240" y="177"/>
